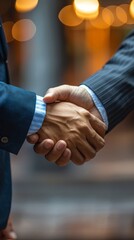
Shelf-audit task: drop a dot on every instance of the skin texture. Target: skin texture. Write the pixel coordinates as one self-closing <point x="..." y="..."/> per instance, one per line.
<point x="82" y="132"/>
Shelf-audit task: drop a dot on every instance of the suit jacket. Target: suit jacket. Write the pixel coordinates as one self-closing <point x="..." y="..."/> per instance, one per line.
<point x="16" y="113"/>
<point x="114" y="83"/>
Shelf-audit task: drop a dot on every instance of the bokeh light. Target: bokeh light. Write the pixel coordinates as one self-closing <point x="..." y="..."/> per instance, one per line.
<point x="87" y="9"/>
<point x="132" y="8"/>
<point x="107" y="16"/>
<point x="8" y="30"/>
<point x="130" y="19"/>
<point x="23" y="30"/>
<point x="120" y="16"/>
<point x="68" y="16"/>
<point x="99" y="21"/>
<point x="25" y="5"/>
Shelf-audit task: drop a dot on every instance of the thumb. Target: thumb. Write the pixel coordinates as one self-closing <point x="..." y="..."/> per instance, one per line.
<point x="60" y="93"/>
<point x="33" y="138"/>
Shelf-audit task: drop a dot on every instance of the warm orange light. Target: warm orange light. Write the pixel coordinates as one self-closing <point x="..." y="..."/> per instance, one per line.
<point x="121" y="14"/>
<point x="132" y="8"/>
<point x="25" y="5"/>
<point x="8" y="30"/>
<point x="107" y="16"/>
<point x="87" y="9"/>
<point x="99" y="21"/>
<point x="23" y="30"/>
<point x="130" y="19"/>
<point x="68" y="17"/>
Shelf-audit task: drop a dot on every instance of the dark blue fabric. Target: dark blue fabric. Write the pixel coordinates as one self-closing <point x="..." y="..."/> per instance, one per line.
<point x="16" y="113"/>
<point x="5" y="188"/>
<point x="5" y="172"/>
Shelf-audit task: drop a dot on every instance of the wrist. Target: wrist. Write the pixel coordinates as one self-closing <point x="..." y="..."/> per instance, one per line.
<point x="99" y="108"/>
<point x="39" y="115"/>
<point x="96" y="113"/>
<point x="86" y="99"/>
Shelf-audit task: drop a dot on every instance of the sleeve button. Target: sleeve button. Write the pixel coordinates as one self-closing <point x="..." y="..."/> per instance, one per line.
<point x="4" y="140"/>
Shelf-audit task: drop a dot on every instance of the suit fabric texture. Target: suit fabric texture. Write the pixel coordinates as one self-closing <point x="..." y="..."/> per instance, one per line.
<point x="16" y="112"/>
<point x="114" y="83"/>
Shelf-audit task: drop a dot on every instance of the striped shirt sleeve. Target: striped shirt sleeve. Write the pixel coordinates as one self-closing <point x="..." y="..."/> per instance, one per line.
<point x="39" y="115"/>
<point x="98" y="104"/>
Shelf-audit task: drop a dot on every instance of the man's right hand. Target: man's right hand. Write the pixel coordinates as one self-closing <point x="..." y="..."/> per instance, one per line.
<point x="79" y="96"/>
<point x="67" y="93"/>
<point x="75" y="94"/>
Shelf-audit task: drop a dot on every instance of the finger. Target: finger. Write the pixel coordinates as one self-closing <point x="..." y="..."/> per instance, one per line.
<point x="98" y="125"/>
<point x="32" y="139"/>
<point x="61" y="93"/>
<point x="87" y="150"/>
<point x="95" y="140"/>
<point x="8" y="233"/>
<point x="64" y="159"/>
<point x="44" y="147"/>
<point x="57" y="151"/>
<point x="77" y="157"/>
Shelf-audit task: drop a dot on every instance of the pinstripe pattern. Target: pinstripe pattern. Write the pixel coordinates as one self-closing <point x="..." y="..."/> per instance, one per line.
<point x="114" y="83"/>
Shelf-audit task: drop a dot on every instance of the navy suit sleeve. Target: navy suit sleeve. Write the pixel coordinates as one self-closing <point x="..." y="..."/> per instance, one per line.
<point x="16" y="112"/>
<point x="114" y="83"/>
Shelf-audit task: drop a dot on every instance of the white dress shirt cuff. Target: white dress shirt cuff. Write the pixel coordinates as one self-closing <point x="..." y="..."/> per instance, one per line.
<point x="98" y="104"/>
<point x="39" y="115"/>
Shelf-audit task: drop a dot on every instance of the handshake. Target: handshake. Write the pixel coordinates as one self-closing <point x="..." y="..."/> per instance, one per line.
<point x="72" y="129"/>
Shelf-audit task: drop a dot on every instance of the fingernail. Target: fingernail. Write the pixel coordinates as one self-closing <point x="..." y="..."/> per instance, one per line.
<point x="67" y="154"/>
<point x="48" y="95"/>
<point x="13" y="235"/>
<point x="60" y="146"/>
<point x="48" y="145"/>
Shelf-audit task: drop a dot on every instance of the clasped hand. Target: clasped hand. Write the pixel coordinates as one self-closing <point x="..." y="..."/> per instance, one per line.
<point x="72" y="124"/>
<point x="82" y="133"/>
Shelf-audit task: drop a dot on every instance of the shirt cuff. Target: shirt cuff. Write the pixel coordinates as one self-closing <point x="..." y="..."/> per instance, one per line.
<point x="39" y="115"/>
<point x="98" y="104"/>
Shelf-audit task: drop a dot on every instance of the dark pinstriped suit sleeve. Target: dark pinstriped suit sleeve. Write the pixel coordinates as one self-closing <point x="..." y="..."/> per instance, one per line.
<point x="114" y="83"/>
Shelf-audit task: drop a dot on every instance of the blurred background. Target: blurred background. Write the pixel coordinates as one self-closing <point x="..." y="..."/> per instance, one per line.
<point x="52" y="43"/>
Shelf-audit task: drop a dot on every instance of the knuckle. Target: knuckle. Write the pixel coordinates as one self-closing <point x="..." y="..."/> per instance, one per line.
<point x="84" y="112"/>
<point x="83" y="127"/>
<point x="93" y="133"/>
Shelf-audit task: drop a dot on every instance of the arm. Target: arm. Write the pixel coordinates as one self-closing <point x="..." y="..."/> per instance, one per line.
<point x="114" y="83"/>
<point x="17" y="108"/>
<point x="113" y="86"/>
